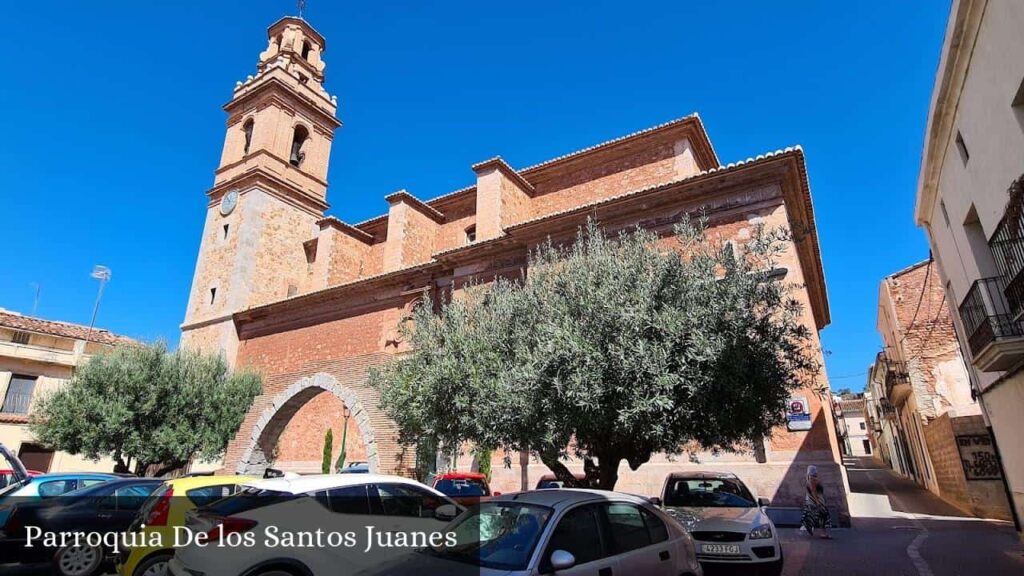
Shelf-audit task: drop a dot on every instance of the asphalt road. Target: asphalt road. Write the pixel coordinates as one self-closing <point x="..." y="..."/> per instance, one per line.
<point x="898" y="528"/>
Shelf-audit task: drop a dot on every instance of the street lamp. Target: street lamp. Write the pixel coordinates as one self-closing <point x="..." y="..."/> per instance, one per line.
<point x="346" y="413"/>
<point x="101" y="273"/>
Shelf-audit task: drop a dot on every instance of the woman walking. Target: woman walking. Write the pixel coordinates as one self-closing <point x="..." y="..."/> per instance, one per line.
<point x="816" y="514"/>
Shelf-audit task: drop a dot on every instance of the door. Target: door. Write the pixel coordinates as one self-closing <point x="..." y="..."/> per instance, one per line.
<point x="579" y="532"/>
<point x="639" y="540"/>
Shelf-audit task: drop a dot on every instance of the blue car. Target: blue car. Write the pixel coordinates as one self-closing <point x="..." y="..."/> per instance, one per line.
<point x="23" y="487"/>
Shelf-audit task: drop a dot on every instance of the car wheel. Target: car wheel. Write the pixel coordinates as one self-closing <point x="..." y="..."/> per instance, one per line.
<point x="155" y="565"/>
<point x="77" y="560"/>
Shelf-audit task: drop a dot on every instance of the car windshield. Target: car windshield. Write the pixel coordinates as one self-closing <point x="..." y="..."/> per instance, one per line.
<point x="459" y="487"/>
<point x="500" y="535"/>
<point x="708" y="493"/>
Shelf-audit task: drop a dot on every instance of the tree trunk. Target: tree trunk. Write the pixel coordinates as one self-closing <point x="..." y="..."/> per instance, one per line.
<point x="551" y="460"/>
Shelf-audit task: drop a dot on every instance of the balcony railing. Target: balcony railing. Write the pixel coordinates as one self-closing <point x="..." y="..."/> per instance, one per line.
<point x="987" y="315"/>
<point x="1007" y="247"/>
<point x="895" y="375"/>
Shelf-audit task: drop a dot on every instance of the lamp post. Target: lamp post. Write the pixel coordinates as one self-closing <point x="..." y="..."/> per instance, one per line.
<point x="346" y="413"/>
<point x="101" y="273"/>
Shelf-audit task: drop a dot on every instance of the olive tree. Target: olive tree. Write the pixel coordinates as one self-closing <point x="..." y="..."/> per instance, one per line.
<point x="609" y="348"/>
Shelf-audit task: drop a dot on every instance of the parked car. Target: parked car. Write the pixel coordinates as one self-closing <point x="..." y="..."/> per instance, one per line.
<point x="7" y="476"/>
<point x="567" y="532"/>
<point x="165" y="510"/>
<point x="333" y="504"/>
<point x="24" y="486"/>
<point x="106" y="508"/>
<point x="728" y="524"/>
<point x="549" y="481"/>
<point x="356" y="468"/>
<point x="466" y="488"/>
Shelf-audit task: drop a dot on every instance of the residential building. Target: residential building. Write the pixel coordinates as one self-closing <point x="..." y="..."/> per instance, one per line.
<point x="36" y="357"/>
<point x="923" y="393"/>
<point x="969" y="201"/>
<point x="313" y="302"/>
<point x="852" y="427"/>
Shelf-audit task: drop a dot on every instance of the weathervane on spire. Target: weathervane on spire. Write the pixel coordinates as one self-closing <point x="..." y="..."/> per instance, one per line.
<point x="302" y="6"/>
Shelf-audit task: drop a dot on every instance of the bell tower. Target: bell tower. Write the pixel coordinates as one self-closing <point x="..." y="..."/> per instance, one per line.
<point x="269" y="190"/>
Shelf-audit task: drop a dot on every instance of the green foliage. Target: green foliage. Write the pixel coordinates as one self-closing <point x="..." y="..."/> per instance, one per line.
<point x="612" y="348"/>
<point x="483" y="459"/>
<point x="325" y="466"/>
<point x="340" y="463"/>
<point x="142" y="406"/>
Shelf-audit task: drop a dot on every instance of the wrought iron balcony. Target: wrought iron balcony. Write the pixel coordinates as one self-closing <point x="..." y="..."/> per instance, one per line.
<point x="1007" y="247"/>
<point x="995" y="335"/>
<point x="895" y="380"/>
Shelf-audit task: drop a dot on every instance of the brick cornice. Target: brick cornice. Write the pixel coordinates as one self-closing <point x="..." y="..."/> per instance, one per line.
<point x="276" y="91"/>
<point x="345" y="228"/>
<point x="419" y="205"/>
<point x="499" y="164"/>
<point x="271" y="184"/>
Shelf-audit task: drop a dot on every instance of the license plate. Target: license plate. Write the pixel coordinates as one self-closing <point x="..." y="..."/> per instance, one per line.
<point x="720" y="548"/>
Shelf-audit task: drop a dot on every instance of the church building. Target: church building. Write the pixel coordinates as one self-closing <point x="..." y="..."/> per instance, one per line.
<point x="313" y="302"/>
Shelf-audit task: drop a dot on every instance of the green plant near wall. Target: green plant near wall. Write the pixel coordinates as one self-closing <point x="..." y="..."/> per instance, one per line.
<point x="325" y="466"/>
<point x="483" y="459"/>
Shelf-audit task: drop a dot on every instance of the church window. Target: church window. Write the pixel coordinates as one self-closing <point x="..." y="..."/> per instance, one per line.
<point x="292" y="290"/>
<point x="306" y="48"/>
<point x="299" y="139"/>
<point x="247" y="130"/>
<point x="471" y="234"/>
<point x="213" y="295"/>
<point x="226" y="231"/>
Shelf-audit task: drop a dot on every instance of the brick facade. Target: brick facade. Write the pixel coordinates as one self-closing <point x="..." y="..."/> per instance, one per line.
<point x="361" y="280"/>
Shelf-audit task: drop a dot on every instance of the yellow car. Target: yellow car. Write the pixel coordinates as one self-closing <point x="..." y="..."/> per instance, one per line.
<point x="166" y="509"/>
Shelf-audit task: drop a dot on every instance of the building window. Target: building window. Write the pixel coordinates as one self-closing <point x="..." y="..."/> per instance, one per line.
<point x="21" y="337"/>
<point x="306" y="49"/>
<point x="470" y="234"/>
<point x="226" y="231"/>
<point x="862" y="426"/>
<point x="962" y="147"/>
<point x="292" y="290"/>
<point x="299" y="139"/>
<point x="945" y="215"/>
<point x="247" y="130"/>
<point x="213" y="295"/>
<point x="19" y="394"/>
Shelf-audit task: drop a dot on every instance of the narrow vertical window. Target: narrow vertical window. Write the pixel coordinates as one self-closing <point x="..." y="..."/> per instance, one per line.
<point x="470" y="234"/>
<point x="247" y="130"/>
<point x="962" y="147"/>
<point x="306" y="49"/>
<point x="213" y="295"/>
<point x="299" y="139"/>
<point x="225" y="231"/>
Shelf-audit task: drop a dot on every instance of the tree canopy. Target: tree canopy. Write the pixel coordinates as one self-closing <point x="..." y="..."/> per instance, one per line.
<point x="610" y="348"/>
<point x="144" y="407"/>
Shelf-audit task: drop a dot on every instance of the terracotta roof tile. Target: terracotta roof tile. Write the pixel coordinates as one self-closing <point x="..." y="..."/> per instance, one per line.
<point x="17" y="321"/>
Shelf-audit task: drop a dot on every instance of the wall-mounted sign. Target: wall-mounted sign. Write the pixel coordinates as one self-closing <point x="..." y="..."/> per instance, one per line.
<point x="978" y="457"/>
<point x="798" y="414"/>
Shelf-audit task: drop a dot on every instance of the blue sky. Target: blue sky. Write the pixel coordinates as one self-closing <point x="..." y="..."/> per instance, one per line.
<point x="113" y="126"/>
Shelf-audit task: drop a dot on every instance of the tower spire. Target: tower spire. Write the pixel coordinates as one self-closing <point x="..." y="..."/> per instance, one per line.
<point x="302" y="7"/>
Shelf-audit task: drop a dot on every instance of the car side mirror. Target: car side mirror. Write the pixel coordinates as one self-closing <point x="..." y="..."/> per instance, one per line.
<point x="446" y="512"/>
<point x="562" y="560"/>
<point x="655" y="501"/>
<point x="763" y="502"/>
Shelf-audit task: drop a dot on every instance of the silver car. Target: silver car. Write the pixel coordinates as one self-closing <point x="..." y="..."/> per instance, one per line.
<point x="727" y="522"/>
<point x="559" y="531"/>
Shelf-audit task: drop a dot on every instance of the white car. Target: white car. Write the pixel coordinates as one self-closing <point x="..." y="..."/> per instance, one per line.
<point x="556" y="531"/>
<point x="728" y="524"/>
<point x="295" y="526"/>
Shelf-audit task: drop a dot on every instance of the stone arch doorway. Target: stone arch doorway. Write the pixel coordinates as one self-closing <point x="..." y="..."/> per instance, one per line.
<point x="263" y="440"/>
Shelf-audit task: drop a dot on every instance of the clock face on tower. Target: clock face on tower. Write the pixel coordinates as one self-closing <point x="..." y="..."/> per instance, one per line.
<point x="228" y="202"/>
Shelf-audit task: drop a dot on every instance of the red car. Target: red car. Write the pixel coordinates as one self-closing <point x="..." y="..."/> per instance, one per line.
<point x="466" y="488"/>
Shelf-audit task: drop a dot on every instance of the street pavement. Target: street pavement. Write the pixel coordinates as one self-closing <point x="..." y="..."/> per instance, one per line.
<point x="899" y="528"/>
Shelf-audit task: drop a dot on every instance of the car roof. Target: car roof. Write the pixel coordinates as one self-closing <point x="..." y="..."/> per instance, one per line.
<point x="193" y="482"/>
<point x="561" y="497"/>
<point x="460" y="476"/>
<point x="703" y="475"/>
<point x="577" y="475"/>
<point x="314" y="482"/>
<point x="74" y="475"/>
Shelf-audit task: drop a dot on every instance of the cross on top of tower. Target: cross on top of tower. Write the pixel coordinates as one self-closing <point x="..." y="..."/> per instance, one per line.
<point x="302" y="7"/>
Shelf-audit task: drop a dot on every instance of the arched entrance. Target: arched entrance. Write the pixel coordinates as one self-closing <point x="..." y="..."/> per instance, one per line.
<point x="267" y="431"/>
